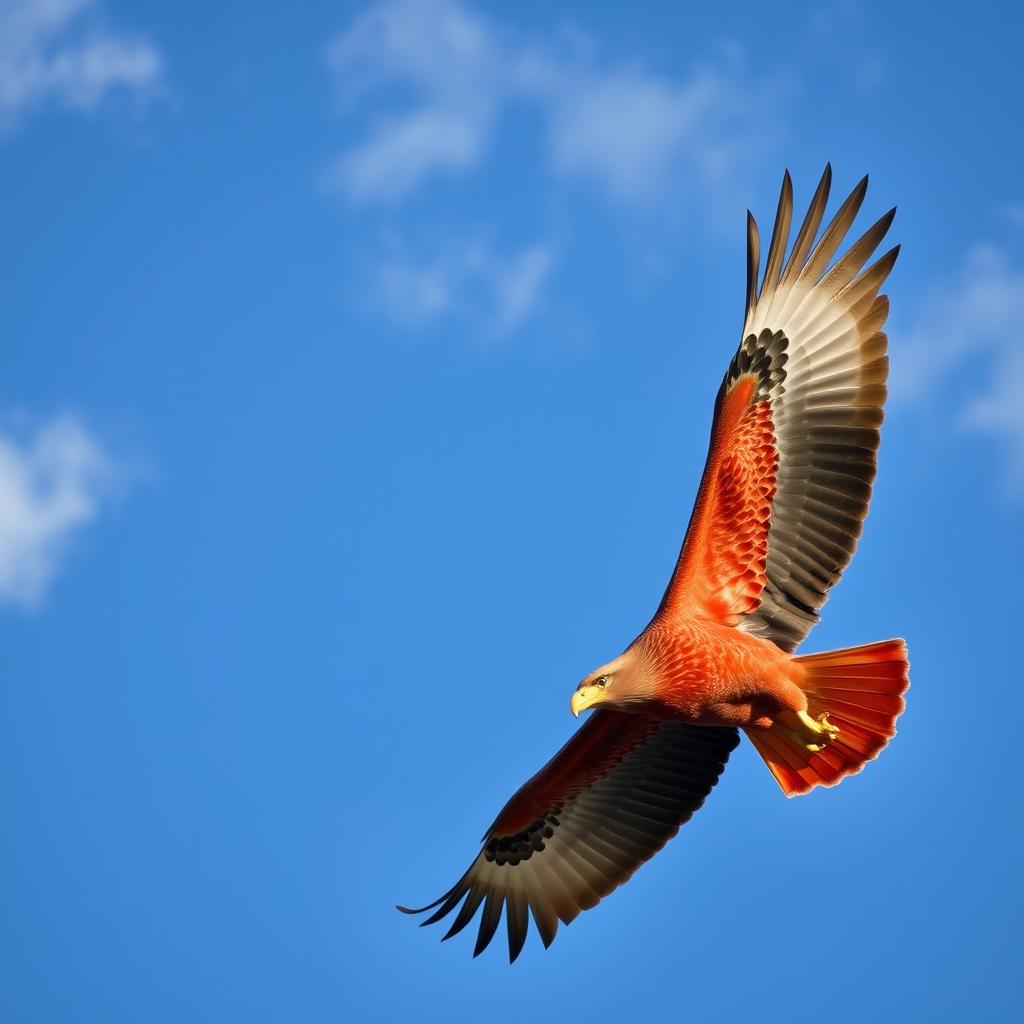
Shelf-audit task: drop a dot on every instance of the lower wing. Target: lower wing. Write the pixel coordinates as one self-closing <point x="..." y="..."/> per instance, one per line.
<point x="602" y="806"/>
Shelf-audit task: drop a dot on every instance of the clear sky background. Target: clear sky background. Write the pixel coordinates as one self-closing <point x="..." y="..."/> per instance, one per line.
<point x="356" y="370"/>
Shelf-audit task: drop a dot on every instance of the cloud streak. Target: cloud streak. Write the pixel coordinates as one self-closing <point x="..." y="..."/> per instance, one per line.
<point x="56" y="52"/>
<point x="969" y="330"/>
<point x="470" y="279"/>
<point x="446" y="62"/>
<point x="50" y="488"/>
<point x="427" y="85"/>
<point x="453" y="73"/>
<point x="640" y="137"/>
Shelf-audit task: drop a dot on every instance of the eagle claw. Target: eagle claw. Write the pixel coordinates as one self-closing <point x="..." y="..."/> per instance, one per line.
<point x="813" y="734"/>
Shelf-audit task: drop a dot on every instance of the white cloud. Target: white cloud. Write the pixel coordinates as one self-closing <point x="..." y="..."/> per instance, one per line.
<point x="999" y="411"/>
<point x="518" y="284"/>
<point x="403" y="151"/>
<point x="968" y="340"/>
<point x="470" y="279"/>
<point x="641" y="137"/>
<point x="436" y="47"/>
<point x="425" y="84"/>
<point x="446" y="59"/>
<point x="452" y="73"/>
<point x="50" y="487"/>
<point x="415" y="291"/>
<point x="622" y="130"/>
<point x="57" y="51"/>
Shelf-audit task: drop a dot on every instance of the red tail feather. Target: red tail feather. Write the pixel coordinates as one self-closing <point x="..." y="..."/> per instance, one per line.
<point x="861" y="690"/>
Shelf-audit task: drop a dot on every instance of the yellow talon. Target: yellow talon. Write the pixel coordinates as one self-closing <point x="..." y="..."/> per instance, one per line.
<point x="813" y="734"/>
<point x="831" y="730"/>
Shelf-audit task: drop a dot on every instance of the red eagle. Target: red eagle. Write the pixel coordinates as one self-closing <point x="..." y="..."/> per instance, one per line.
<point x="781" y="504"/>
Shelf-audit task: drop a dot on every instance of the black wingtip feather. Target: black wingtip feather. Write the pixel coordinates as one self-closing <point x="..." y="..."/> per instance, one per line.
<point x="884" y="264"/>
<point x="423" y="910"/>
<point x="615" y="825"/>
<point x="780" y="236"/>
<point x="809" y="228"/>
<point x="753" y="262"/>
<point x="488" y="923"/>
<point x="466" y="913"/>
<point x="518" y="921"/>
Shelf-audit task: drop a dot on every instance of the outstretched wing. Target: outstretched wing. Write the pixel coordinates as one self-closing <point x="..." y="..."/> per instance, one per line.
<point x="602" y="806"/>
<point x="796" y="431"/>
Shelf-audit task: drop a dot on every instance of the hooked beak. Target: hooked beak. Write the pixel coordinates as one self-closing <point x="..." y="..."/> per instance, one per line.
<point x="585" y="697"/>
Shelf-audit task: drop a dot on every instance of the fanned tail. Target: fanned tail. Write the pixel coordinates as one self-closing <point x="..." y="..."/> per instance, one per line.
<point x="861" y="690"/>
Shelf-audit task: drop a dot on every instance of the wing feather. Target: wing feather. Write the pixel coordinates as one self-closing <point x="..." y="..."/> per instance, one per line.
<point x="605" y="804"/>
<point x="794" y="444"/>
<point x="808" y="230"/>
<point x="753" y="258"/>
<point x="780" y="236"/>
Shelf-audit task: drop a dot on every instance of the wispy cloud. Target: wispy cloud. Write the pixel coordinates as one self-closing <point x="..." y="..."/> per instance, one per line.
<point x="965" y="349"/>
<point x="452" y="73"/>
<point x="640" y="136"/>
<point x="495" y="291"/>
<point x="51" y="486"/>
<point x="446" y="60"/>
<point x="62" y="52"/>
<point x="519" y="283"/>
<point x="998" y="410"/>
<point x="403" y="151"/>
<point x="428" y="83"/>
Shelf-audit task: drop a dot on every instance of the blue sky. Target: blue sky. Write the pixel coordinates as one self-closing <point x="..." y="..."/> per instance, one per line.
<point x="356" y="375"/>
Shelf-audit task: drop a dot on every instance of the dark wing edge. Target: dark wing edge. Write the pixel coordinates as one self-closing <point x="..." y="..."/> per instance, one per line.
<point x="826" y="404"/>
<point x="796" y="430"/>
<point x="588" y="831"/>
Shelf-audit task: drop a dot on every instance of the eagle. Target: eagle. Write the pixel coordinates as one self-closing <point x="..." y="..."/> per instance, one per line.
<point x="781" y="505"/>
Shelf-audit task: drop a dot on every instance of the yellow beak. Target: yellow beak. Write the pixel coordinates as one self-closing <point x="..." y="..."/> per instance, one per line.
<point x="585" y="697"/>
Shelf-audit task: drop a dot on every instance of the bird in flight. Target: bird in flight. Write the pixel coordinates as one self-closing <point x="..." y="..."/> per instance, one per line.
<point x="781" y="505"/>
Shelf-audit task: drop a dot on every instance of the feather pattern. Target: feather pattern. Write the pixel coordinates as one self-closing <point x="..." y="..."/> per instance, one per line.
<point x="605" y="804"/>
<point x="770" y="535"/>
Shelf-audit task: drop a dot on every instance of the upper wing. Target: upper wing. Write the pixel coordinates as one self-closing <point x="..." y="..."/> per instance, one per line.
<point x="602" y="806"/>
<point x="796" y="431"/>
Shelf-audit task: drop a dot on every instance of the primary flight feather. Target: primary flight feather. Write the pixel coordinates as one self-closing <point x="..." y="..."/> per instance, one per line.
<point x="781" y="504"/>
